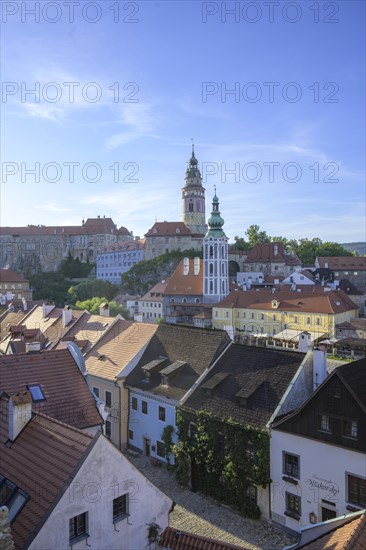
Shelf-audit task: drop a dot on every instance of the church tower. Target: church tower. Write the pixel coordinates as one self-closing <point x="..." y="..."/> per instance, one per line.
<point x="215" y="258"/>
<point x="193" y="198"/>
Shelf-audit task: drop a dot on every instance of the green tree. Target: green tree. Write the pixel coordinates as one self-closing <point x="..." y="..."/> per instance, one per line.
<point x="240" y="244"/>
<point x="92" y="305"/>
<point x="255" y="236"/>
<point x="90" y="289"/>
<point x="332" y="249"/>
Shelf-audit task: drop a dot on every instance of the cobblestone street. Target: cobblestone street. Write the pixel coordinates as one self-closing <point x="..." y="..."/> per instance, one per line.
<point x="203" y="515"/>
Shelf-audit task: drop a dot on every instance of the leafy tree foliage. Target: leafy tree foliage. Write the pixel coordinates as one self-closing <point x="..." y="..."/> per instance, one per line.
<point x="92" y="305"/>
<point x="90" y="289"/>
<point x="306" y="249"/>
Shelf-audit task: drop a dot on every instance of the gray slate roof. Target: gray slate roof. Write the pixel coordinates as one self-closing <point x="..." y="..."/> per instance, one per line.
<point x="256" y="381"/>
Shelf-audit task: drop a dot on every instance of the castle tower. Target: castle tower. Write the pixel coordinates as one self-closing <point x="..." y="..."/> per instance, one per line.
<point x="215" y="258"/>
<point x="193" y="198"/>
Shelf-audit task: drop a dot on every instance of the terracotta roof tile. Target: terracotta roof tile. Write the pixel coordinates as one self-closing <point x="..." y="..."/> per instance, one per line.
<point x="168" y="229"/>
<point x="334" y="301"/>
<point x="155" y="294"/>
<point x="10" y="276"/>
<point x="350" y="536"/>
<point x="42" y="459"/>
<point x="117" y="348"/>
<point x="265" y="252"/>
<point x="190" y="284"/>
<point x="68" y="397"/>
<point x="88" y="327"/>
<point x="342" y="263"/>
<point x="175" y="539"/>
<point x="92" y="226"/>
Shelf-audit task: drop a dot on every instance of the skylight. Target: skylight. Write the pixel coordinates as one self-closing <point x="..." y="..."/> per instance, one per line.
<point x="36" y="392"/>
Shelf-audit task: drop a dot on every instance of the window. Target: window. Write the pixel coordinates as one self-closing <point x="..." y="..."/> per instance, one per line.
<point x="274" y="317"/>
<point x="130" y="434"/>
<point x="318" y="321"/>
<point x="144" y="407"/>
<point x="108" y="399"/>
<point x="357" y="490"/>
<point x="296" y="319"/>
<point x="291" y="465"/>
<point x="192" y="430"/>
<point x="308" y="320"/>
<point x="134" y="404"/>
<point x="350" y="428"/>
<point x="12" y="497"/>
<point x="36" y="393"/>
<point x="160" y="449"/>
<point x="324" y="424"/>
<point x="120" y="507"/>
<point x="96" y="391"/>
<point x="162" y="414"/>
<point x="78" y="527"/>
<point x="293" y="505"/>
<point x="108" y="428"/>
<point x="251" y="493"/>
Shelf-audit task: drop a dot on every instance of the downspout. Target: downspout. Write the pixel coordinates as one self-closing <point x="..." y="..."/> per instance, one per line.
<point x="120" y="414"/>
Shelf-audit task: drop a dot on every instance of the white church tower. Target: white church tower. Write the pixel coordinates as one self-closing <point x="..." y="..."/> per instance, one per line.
<point x="215" y="258"/>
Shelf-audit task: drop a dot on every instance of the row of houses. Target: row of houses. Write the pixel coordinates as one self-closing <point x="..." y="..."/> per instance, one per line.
<point x="239" y="414"/>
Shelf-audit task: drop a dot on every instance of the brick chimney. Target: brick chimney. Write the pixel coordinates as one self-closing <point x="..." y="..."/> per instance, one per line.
<point x="20" y="412"/>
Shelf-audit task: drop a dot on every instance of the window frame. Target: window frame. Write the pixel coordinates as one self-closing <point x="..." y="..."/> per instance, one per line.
<point x="144" y="405"/>
<point x="79" y="536"/>
<point x="290" y="471"/>
<point x="134" y="401"/>
<point x="122" y="515"/>
<point x="158" y="445"/>
<point x="162" y="410"/>
<point x="290" y="510"/>
<point x="359" y="503"/>
<point x="109" y="406"/>
<point x="350" y="435"/>
<point x="39" y="399"/>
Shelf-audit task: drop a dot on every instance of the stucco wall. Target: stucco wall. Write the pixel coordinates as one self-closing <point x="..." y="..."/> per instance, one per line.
<point x="105" y="475"/>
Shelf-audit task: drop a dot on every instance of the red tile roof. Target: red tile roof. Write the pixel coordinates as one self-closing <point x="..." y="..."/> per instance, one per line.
<point x="265" y="252"/>
<point x="155" y="294"/>
<point x="168" y="229"/>
<point x="42" y="460"/>
<point x="349" y="536"/>
<point x="92" y="226"/>
<point x="10" y="276"/>
<point x="334" y="301"/>
<point x="68" y="397"/>
<point x="175" y="539"/>
<point x="342" y="263"/>
<point x="191" y="284"/>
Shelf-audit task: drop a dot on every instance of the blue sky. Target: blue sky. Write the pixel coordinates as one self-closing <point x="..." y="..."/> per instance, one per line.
<point x="162" y="74"/>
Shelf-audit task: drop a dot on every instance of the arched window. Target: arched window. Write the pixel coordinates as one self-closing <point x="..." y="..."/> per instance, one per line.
<point x="211" y="251"/>
<point x="190" y="206"/>
<point x="211" y="268"/>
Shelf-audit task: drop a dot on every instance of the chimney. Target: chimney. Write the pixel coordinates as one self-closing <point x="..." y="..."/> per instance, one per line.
<point x="32" y="347"/>
<point x="304" y="342"/>
<point x="319" y="366"/>
<point x="185" y="266"/>
<point x="275" y="249"/>
<point x="20" y="412"/>
<point x="46" y="309"/>
<point x="66" y="316"/>
<point x="326" y="265"/>
<point x="196" y="266"/>
<point x="25" y="305"/>
<point x="104" y="309"/>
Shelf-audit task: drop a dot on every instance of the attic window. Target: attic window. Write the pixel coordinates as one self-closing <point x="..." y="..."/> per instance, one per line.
<point x="177" y="230"/>
<point x="155" y="230"/>
<point x="101" y="358"/>
<point x="36" y="393"/>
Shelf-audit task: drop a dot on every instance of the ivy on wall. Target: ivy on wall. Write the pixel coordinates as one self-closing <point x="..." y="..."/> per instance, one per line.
<point x="226" y="456"/>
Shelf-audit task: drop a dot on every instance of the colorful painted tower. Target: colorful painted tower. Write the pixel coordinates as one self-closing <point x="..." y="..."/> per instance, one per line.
<point x="193" y="199"/>
<point x="215" y="258"/>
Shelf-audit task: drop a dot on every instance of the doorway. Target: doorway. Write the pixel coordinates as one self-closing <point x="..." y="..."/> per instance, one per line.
<point x="146" y="446"/>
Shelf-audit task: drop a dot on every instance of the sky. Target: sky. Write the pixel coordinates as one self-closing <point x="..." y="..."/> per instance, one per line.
<point x="101" y="101"/>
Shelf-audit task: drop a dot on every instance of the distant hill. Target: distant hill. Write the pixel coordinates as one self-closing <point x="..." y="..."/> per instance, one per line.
<point x="360" y="248"/>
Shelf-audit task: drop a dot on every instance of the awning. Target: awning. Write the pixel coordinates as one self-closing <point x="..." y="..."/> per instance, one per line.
<point x="292" y="335"/>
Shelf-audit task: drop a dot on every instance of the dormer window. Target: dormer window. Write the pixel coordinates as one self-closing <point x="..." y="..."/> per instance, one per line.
<point x="177" y="230"/>
<point x="36" y="393"/>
